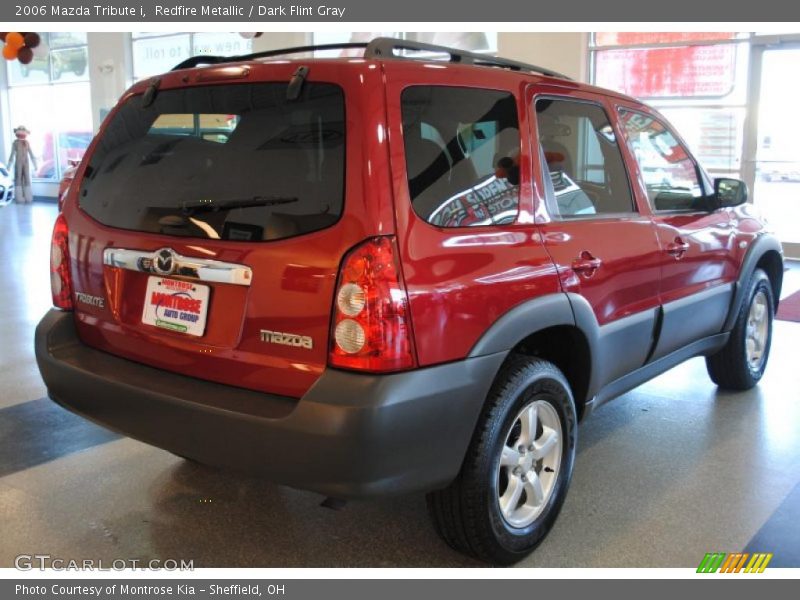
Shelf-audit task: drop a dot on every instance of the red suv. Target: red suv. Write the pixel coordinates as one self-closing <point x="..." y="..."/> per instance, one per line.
<point x="409" y="272"/>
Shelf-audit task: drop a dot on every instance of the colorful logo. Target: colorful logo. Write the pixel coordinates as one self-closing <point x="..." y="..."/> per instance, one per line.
<point x="738" y="562"/>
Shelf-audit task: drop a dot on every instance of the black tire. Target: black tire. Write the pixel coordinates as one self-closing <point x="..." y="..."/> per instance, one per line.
<point x="730" y="368"/>
<point x="467" y="514"/>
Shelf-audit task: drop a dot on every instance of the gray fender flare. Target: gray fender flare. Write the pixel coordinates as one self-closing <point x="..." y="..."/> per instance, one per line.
<point x="758" y="248"/>
<point x="586" y="321"/>
<point x="523" y="320"/>
<point x="537" y="315"/>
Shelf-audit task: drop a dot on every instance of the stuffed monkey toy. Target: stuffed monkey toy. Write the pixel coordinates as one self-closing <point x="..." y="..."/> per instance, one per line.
<point x="20" y="153"/>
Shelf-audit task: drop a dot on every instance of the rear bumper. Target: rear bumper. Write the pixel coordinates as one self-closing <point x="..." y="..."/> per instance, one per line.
<point x="351" y="435"/>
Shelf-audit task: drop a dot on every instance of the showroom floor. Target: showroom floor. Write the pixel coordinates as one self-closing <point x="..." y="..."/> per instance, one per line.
<point x="664" y="474"/>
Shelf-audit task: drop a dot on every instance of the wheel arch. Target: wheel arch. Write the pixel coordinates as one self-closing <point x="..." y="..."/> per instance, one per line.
<point x="765" y="253"/>
<point x="771" y="262"/>
<point x="546" y="328"/>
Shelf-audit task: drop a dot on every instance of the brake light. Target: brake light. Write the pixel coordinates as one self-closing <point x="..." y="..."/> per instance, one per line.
<point x="60" y="280"/>
<point x="371" y="328"/>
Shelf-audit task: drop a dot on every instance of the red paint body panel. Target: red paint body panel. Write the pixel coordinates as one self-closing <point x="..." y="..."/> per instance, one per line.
<point x="627" y="282"/>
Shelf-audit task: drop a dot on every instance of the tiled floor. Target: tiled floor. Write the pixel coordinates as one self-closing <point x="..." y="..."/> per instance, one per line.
<point x="664" y="474"/>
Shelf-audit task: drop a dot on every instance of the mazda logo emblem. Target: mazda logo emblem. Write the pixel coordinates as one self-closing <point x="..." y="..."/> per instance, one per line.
<point x="164" y="263"/>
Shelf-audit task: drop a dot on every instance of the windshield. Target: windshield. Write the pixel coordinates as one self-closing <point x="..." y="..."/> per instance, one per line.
<point x="264" y="167"/>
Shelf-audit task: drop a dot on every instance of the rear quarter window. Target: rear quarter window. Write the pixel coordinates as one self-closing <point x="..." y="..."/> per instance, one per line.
<point x="462" y="151"/>
<point x="235" y="162"/>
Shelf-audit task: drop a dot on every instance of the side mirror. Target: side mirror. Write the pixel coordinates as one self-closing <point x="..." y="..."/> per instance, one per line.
<point x="729" y="192"/>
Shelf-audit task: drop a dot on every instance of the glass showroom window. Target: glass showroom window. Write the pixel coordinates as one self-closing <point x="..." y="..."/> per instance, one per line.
<point x="698" y="80"/>
<point x="51" y="97"/>
<point x="155" y="53"/>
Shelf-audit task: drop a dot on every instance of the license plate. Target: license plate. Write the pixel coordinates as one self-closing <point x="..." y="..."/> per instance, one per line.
<point x="179" y="306"/>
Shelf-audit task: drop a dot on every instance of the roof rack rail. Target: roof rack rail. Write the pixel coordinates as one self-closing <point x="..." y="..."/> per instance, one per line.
<point x="210" y="59"/>
<point x="380" y="48"/>
<point x="385" y="47"/>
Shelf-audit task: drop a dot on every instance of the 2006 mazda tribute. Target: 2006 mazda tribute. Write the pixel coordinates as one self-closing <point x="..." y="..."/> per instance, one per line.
<point x="394" y="274"/>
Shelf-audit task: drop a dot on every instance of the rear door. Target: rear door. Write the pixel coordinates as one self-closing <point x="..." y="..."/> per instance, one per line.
<point x="209" y="224"/>
<point x="696" y="243"/>
<point x="604" y="247"/>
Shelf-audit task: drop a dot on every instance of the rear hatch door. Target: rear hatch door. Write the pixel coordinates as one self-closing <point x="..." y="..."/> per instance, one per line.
<point x="210" y="224"/>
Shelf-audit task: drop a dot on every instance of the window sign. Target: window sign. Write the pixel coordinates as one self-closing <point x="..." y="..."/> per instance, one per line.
<point x="157" y="53"/>
<point x="221" y="44"/>
<point x="679" y="72"/>
<point x="59" y="58"/>
<point x="637" y="38"/>
<point x="69" y="64"/>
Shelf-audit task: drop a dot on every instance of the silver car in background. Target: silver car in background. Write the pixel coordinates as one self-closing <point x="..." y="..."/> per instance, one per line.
<point x="6" y="186"/>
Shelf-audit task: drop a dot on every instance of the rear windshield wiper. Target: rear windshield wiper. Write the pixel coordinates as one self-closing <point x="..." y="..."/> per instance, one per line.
<point x="209" y="205"/>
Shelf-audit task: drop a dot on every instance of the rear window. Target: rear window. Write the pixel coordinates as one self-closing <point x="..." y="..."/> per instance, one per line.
<point x="462" y="155"/>
<point x="232" y="162"/>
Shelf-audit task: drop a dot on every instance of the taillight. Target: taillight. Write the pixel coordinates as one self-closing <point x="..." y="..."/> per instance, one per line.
<point x="371" y="328"/>
<point x="60" y="280"/>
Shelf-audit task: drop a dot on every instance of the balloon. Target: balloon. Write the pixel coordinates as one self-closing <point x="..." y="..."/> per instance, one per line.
<point x="9" y="52"/>
<point x="3" y="35"/>
<point x="15" y="40"/>
<point x="25" y="55"/>
<point x="32" y="40"/>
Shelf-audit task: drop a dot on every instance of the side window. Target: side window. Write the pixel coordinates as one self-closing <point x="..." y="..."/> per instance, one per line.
<point x="585" y="174"/>
<point x="670" y="175"/>
<point x="462" y="155"/>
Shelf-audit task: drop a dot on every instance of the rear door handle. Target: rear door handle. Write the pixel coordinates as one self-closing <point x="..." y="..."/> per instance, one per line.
<point x="677" y="248"/>
<point x="586" y="264"/>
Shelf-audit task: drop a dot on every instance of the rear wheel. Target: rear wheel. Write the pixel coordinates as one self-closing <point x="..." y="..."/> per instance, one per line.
<point x="517" y="470"/>
<point x="741" y="362"/>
